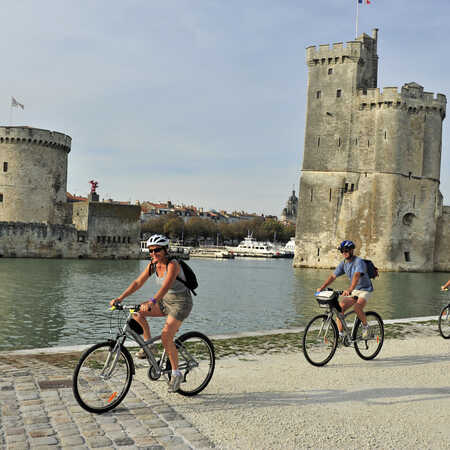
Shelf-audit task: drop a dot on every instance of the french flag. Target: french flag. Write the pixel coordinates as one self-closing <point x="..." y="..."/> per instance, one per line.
<point x="367" y="2"/>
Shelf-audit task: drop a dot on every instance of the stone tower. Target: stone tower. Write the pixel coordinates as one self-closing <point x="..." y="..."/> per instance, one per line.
<point x="371" y="163"/>
<point x="33" y="175"/>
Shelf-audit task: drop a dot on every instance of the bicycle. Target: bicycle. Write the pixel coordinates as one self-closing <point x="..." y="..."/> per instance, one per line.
<point x="444" y="321"/>
<point x="321" y="336"/>
<point x="103" y="375"/>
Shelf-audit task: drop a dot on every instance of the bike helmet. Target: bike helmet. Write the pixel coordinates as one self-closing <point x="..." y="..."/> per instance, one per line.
<point x="346" y="245"/>
<point x="158" y="239"/>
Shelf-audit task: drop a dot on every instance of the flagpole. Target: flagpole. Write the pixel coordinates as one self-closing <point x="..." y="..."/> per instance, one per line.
<point x="10" y="115"/>
<point x="357" y="17"/>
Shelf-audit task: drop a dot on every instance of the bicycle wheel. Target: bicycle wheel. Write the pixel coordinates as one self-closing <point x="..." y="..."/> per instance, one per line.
<point x="197" y="361"/>
<point x="102" y="377"/>
<point x="320" y="340"/>
<point x="368" y="348"/>
<point x="444" y="322"/>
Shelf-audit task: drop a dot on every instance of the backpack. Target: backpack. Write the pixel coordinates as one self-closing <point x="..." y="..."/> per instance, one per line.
<point x="372" y="271"/>
<point x="191" y="280"/>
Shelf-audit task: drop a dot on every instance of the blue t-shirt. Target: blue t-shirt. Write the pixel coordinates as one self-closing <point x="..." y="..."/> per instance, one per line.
<point x="350" y="268"/>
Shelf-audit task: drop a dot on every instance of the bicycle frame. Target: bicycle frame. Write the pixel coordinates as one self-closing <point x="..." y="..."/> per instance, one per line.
<point x="127" y="331"/>
<point x="341" y="316"/>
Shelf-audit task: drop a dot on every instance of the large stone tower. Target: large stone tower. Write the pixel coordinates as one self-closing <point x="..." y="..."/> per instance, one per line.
<point x="33" y="175"/>
<point x="371" y="163"/>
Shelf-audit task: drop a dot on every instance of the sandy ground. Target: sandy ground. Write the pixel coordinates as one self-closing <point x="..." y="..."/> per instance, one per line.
<point x="399" y="400"/>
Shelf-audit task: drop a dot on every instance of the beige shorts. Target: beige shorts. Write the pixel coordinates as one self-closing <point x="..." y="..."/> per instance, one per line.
<point x="177" y="306"/>
<point x="362" y="294"/>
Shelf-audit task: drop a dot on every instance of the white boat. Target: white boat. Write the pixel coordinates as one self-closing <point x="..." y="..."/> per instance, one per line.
<point x="253" y="248"/>
<point x="289" y="248"/>
<point x="211" y="252"/>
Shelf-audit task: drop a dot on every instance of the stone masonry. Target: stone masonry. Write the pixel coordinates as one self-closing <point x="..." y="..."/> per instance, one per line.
<point x="371" y="165"/>
<point x="35" y="218"/>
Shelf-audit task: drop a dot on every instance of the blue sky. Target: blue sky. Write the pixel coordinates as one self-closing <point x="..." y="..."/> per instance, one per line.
<point x="198" y="101"/>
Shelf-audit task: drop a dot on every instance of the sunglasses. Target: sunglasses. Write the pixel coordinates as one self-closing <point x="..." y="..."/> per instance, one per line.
<point x="154" y="250"/>
<point x="345" y="251"/>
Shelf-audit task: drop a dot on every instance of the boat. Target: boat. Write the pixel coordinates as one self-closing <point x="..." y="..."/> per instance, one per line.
<point x="250" y="247"/>
<point x="289" y="248"/>
<point x="211" y="252"/>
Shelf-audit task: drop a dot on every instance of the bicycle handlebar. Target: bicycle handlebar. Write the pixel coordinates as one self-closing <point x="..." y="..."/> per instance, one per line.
<point x="121" y="307"/>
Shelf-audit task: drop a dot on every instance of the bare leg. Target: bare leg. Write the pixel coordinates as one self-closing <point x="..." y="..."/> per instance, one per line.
<point x="167" y="336"/>
<point x="359" y="310"/>
<point x="141" y="318"/>
<point x="345" y="303"/>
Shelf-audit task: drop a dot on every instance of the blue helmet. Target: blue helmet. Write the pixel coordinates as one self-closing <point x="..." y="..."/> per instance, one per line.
<point x="346" y="245"/>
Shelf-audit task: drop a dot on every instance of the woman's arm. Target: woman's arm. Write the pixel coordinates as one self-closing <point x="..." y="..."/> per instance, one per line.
<point x="134" y="286"/>
<point x="173" y="269"/>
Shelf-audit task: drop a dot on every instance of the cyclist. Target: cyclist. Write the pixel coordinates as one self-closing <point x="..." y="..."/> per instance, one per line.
<point x="173" y="300"/>
<point x="360" y="288"/>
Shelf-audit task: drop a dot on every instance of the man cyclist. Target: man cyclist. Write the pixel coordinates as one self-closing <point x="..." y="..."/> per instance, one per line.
<point x="360" y="288"/>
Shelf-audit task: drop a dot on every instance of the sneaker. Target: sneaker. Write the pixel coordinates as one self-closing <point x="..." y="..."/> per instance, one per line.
<point x="141" y="354"/>
<point x="365" y="332"/>
<point x="174" y="382"/>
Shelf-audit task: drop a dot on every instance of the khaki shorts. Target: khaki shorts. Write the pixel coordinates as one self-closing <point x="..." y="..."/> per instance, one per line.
<point x="362" y="294"/>
<point x="177" y="306"/>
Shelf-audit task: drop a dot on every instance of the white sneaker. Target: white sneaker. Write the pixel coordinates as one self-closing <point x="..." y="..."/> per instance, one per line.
<point x="174" y="382"/>
<point x="365" y="332"/>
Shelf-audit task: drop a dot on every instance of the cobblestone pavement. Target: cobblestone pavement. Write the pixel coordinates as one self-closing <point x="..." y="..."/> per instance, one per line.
<point x="38" y="410"/>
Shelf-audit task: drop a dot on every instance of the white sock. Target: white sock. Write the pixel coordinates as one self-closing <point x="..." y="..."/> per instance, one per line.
<point x="176" y="372"/>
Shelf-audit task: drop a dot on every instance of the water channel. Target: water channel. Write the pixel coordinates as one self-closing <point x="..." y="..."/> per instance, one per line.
<point x="47" y="303"/>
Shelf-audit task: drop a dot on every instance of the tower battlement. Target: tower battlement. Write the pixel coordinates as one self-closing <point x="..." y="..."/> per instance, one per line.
<point x="410" y="95"/>
<point x="362" y="47"/>
<point x="28" y="135"/>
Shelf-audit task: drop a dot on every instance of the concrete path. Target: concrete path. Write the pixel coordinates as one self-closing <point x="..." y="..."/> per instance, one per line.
<point x="400" y="400"/>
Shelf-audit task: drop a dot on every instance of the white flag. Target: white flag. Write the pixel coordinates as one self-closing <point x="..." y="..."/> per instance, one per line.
<point x="16" y="104"/>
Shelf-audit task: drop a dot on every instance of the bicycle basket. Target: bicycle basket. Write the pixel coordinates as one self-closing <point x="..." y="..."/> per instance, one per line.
<point x="327" y="299"/>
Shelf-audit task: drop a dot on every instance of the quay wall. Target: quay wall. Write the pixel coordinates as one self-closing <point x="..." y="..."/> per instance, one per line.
<point x="40" y="240"/>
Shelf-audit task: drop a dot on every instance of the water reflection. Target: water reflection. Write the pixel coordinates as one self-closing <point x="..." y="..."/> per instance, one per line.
<point x="64" y="302"/>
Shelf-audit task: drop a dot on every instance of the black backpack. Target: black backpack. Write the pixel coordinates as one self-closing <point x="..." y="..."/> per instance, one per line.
<point x="191" y="280"/>
<point x="372" y="271"/>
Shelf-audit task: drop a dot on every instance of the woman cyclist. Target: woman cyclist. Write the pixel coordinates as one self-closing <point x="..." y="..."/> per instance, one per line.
<point x="173" y="300"/>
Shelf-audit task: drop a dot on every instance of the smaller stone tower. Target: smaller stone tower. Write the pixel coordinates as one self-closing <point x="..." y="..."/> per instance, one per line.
<point x="33" y="175"/>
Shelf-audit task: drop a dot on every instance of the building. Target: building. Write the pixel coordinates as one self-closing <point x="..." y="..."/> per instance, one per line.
<point x="39" y="219"/>
<point x="371" y="165"/>
<point x="289" y="213"/>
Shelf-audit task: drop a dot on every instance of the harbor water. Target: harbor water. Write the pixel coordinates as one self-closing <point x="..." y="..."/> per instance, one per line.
<point x="46" y="303"/>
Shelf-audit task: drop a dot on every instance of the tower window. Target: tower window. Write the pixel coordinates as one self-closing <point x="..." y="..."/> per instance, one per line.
<point x="338" y="93"/>
<point x="330" y="196"/>
<point x="5" y="167"/>
<point x="407" y="257"/>
<point x="318" y="94"/>
<point x="318" y="142"/>
<point x="385" y="135"/>
<point x="318" y="252"/>
<point x="339" y="141"/>
<point x="330" y="71"/>
<point x="311" y="195"/>
<point x="1" y="198"/>
<point x="346" y="187"/>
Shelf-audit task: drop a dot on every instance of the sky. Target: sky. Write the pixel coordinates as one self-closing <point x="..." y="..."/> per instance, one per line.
<point x="198" y="101"/>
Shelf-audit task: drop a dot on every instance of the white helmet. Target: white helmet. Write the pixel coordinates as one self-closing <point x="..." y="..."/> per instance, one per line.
<point x="158" y="239"/>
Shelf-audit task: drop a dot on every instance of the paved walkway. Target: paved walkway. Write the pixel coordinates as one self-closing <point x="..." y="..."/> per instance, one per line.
<point x="38" y="410"/>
